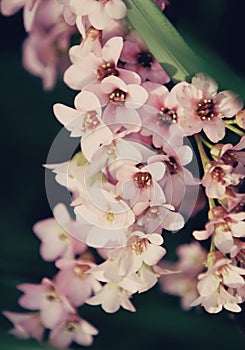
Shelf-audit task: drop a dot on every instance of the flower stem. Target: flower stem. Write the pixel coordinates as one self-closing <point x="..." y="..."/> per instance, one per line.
<point x="234" y="129"/>
<point x="206" y="143"/>
<point x="203" y="155"/>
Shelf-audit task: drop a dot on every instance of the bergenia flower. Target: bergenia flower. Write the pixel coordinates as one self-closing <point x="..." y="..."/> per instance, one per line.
<point x="26" y="325"/>
<point x="203" y="108"/>
<point x="107" y="218"/>
<point x="9" y="7"/>
<point x="225" y="227"/>
<point x="85" y="120"/>
<point x="91" y="68"/>
<point x="122" y="102"/>
<point x="72" y="329"/>
<point x="217" y="178"/>
<point x="56" y="236"/>
<point x="53" y="307"/>
<point x="111" y="297"/>
<point x="139" y="59"/>
<point x="140" y="185"/>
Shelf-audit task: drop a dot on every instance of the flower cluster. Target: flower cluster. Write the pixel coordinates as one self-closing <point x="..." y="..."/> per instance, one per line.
<point x="132" y="179"/>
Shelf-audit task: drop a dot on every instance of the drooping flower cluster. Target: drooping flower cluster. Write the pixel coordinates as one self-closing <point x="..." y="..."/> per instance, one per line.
<point x="133" y="178"/>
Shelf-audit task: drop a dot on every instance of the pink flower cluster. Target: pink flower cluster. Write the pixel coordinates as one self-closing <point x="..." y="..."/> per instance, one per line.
<point x="133" y="178"/>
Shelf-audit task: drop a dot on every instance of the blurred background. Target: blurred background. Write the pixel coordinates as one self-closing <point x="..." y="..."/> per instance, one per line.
<point x="215" y="29"/>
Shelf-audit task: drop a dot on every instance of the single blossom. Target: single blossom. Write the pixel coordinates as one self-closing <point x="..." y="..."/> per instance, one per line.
<point x="93" y="68"/>
<point x="122" y="101"/>
<point x="139" y="185"/>
<point x="159" y="114"/>
<point x="217" y="178"/>
<point x="85" y="120"/>
<point x="26" y="325"/>
<point x="72" y="329"/>
<point x="99" y="12"/>
<point x="203" y="108"/>
<point x="53" y="307"/>
<point x="139" y="59"/>
<point x="74" y="282"/>
<point x="225" y="227"/>
<point x="111" y="297"/>
<point x="56" y="235"/>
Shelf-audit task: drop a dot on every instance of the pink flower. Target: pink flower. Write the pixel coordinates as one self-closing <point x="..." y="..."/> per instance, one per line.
<point x="44" y="297"/>
<point x="9" y="7"/>
<point x="217" y="177"/>
<point x="99" y="12"/>
<point x="213" y="284"/>
<point x="106" y="218"/>
<point x="72" y="329"/>
<point x="85" y="120"/>
<point x="159" y="114"/>
<point x="232" y="201"/>
<point x="74" y="282"/>
<point x="91" y="68"/>
<point x="204" y="108"/>
<point x="161" y="4"/>
<point x="111" y="297"/>
<point x="224" y="226"/>
<point x="138" y="58"/>
<point x="240" y="119"/>
<point x="158" y="217"/>
<point x="213" y="303"/>
<point x="25" y="325"/>
<point x="56" y="236"/>
<point x="122" y="101"/>
<point x="231" y="155"/>
<point x="175" y="156"/>
<point x="140" y="185"/>
<point x="44" y="47"/>
<point x="183" y="283"/>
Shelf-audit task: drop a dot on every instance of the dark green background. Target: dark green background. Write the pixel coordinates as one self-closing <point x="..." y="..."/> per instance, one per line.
<point x="28" y="127"/>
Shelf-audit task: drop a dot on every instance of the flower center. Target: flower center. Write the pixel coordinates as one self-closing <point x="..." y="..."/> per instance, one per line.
<point x="166" y="116"/>
<point x="109" y="216"/>
<point x="153" y="214"/>
<point x="145" y="59"/>
<point x="230" y="158"/>
<point x="218" y="175"/>
<point x="138" y="247"/>
<point x="71" y="326"/>
<point x="52" y="296"/>
<point x="90" y="121"/>
<point x="80" y="270"/>
<point x="63" y="236"/>
<point x="206" y="109"/>
<point x="172" y="165"/>
<point x="117" y="96"/>
<point x="142" y="179"/>
<point x="106" y="70"/>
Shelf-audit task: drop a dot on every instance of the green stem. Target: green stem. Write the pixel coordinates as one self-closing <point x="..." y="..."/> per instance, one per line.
<point x="204" y="158"/>
<point x="206" y="143"/>
<point x="234" y="129"/>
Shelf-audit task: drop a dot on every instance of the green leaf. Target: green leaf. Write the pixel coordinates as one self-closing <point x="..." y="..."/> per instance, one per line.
<point x="172" y="52"/>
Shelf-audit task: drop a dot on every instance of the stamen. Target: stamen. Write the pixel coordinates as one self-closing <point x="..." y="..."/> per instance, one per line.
<point x="172" y="165"/>
<point x="230" y="158"/>
<point x="139" y="246"/>
<point x="52" y="296"/>
<point x="166" y="116"/>
<point x="90" y="121"/>
<point x="71" y="326"/>
<point x="142" y="179"/>
<point x="218" y="175"/>
<point x="118" y="96"/>
<point x="206" y="109"/>
<point x="145" y="59"/>
<point x="106" y="70"/>
<point x="109" y="215"/>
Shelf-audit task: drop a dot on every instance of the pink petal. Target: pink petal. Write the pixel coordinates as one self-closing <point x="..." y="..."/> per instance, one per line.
<point x="201" y="235"/>
<point x="214" y="129"/>
<point x="112" y="49"/>
<point x="153" y="254"/>
<point x="208" y="285"/>
<point x="136" y="96"/>
<point x="87" y="101"/>
<point x="116" y="9"/>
